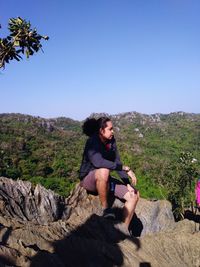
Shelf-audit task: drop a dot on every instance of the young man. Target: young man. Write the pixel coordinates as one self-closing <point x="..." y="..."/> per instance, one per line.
<point x="100" y="156"/>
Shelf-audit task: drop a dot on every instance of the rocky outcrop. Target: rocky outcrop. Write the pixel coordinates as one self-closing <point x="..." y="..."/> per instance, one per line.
<point x="21" y="200"/>
<point x="71" y="232"/>
<point x="150" y="217"/>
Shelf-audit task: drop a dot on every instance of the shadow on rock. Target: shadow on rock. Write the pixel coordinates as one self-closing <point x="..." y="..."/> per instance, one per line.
<point x="6" y="262"/>
<point x="192" y="216"/>
<point x="145" y="264"/>
<point x="135" y="226"/>
<point x="92" y="244"/>
<point x="6" y="235"/>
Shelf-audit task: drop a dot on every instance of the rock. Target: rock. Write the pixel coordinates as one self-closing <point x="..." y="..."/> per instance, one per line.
<point x="21" y="200"/>
<point x="151" y="216"/>
<point x="155" y="216"/>
<point x="78" y="236"/>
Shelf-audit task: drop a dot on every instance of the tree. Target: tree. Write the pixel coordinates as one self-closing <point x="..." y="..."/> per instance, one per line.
<point x="22" y="40"/>
<point x="181" y="191"/>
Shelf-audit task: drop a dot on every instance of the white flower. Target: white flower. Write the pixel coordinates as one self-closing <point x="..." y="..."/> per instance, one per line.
<point x="194" y="160"/>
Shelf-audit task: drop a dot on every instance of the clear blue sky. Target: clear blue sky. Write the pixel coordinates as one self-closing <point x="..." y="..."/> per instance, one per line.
<point x="108" y="56"/>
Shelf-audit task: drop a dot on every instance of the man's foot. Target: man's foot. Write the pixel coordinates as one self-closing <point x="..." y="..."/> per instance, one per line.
<point x="121" y="227"/>
<point x="108" y="213"/>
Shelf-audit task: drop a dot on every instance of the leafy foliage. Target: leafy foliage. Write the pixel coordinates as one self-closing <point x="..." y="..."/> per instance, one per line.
<point x="34" y="147"/>
<point x="181" y="189"/>
<point x="22" y="40"/>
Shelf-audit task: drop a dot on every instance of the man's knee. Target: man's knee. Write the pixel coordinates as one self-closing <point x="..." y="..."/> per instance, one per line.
<point x="102" y="174"/>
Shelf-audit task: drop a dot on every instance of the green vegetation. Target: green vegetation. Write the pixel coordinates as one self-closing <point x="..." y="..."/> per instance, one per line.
<point x="181" y="189"/>
<point x="160" y="148"/>
<point x="40" y="150"/>
<point x="21" y="40"/>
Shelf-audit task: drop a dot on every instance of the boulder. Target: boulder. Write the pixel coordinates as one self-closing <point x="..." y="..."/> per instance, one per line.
<point x="21" y="200"/>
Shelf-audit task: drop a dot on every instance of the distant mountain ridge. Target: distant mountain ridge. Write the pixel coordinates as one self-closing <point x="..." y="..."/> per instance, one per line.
<point x="121" y="119"/>
<point x="130" y="114"/>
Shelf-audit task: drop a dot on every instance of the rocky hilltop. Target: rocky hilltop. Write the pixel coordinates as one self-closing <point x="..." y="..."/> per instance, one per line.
<point x="41" y="228"/>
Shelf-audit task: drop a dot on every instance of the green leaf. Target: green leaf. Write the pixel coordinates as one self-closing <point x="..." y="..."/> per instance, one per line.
<point x="27" y="53"/>
<point x="16" y="43"/>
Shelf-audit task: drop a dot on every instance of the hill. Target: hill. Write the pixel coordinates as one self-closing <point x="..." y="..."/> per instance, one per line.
<point x="49" y="151"/>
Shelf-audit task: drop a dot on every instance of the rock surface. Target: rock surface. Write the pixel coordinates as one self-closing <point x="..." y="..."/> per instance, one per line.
<point x="40" y="228"/>
<point x="21" y="200"/>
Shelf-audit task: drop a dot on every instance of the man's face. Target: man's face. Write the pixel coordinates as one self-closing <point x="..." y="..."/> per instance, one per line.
<point x="107" y="133"/>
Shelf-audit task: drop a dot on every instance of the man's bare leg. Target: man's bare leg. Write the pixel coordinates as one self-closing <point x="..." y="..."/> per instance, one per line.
<point x="129" y="207"/>
<point x="102" y="178"/>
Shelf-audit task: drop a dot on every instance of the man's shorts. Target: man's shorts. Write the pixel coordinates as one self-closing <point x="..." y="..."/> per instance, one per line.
<point x="115" y="186"/>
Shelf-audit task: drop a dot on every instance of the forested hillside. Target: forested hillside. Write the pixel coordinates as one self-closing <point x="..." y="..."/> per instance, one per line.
<point x="49" y="150"/>
<point x="40" y="150"/>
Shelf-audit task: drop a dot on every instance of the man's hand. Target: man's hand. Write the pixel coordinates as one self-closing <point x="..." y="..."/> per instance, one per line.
<point x="126" y="168"/>
<point x="131" y="174"/>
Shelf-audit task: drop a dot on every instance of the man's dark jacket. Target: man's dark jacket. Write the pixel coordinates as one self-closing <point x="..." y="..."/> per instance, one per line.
<point x="99" y="155"/>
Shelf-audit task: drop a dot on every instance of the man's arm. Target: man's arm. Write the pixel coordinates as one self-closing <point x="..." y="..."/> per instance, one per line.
<point x="126" y="171"/>
<point x="95" y="157"/>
